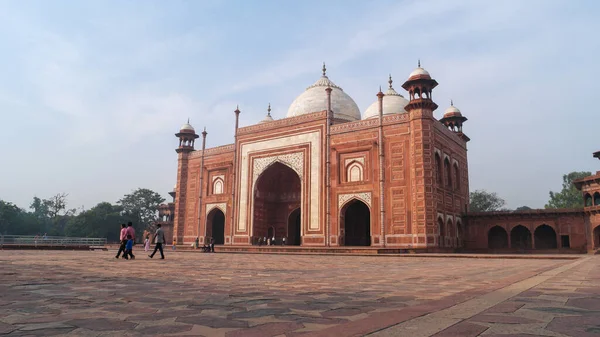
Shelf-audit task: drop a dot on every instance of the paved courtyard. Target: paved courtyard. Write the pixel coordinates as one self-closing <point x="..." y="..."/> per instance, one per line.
<point x="45" y="293"/>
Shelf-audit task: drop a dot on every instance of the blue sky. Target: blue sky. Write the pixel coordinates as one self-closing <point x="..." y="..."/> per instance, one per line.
<point x="91" y="92"/>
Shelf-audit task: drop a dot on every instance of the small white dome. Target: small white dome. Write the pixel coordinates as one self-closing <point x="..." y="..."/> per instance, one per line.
<point x="452" y="110"/>
<point x="187" y="126"/>
<point x="393" y="103"/>
<point x="314" y="99"/>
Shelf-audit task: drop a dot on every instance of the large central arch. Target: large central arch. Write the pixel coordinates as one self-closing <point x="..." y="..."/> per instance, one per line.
<point x="356" y="222"/>
<point x="277" y="192"/>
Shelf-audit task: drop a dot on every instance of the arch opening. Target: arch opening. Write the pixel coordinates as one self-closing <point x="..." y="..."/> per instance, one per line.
<point x="277" y="192"/>
<point x="442" y="232"/>
<point x="520" y="237"/>
<point x="545" y="237"/>
<point x="596" y="198"/>
<point x="215" y="226"/>
<point x="448" y="173"/>
<point x="293" y="229"/>
<point x="355" y="221"/>
<point x="587" y="199"/>
<point x="438" y="169"/>
<point x="497" y="238"/>
<point x="596" y="237"/>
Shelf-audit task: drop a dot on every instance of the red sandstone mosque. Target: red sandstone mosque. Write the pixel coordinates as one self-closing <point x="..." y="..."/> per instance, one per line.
<point x="393" y="177"/>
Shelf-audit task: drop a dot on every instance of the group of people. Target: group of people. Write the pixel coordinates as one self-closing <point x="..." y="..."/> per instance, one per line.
<point x="207" y="247"/>
<point x="127" y="240"/>
<point x="270" y="241"/>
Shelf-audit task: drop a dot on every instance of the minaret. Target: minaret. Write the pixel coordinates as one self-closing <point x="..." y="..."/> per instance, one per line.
<point x="201" y="187"/>
<point x="453" y="120"/>
<point x="233" y="172"/>
<point x="381" y="166"/>
<point x="187" y="136"/>
<point x="328" y="166"/>
<point x="420" y="109"/>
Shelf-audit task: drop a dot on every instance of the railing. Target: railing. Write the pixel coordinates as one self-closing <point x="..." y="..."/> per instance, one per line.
<point x="49" y="241"/>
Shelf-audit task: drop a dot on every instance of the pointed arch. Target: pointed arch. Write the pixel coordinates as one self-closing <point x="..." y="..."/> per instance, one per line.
<point x="456" y="176"/>
<point x="354" y="172"/>
<point x="218" y="186"/>
<point x="447" y="172"/>
<point x="587" y="199"/>
<point x="497" y="238"/>
<point x="520" y="237"/>
<point x="545" y="237"/>
<point x="596" y="199"/>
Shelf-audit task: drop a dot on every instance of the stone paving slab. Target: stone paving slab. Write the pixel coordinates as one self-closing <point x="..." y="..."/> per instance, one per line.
<point x="93" y="294"/>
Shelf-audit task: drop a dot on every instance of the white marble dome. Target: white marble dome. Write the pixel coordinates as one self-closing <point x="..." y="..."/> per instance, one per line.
<point x="419" y="71"/>
<point x="452" y="111"/>
<point x="314" y="99"/>
<point x="393" y="103"/>
<point x="187" y="127"/>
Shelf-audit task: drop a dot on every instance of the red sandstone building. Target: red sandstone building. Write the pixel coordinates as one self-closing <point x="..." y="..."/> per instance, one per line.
<point x="327" y="175"/>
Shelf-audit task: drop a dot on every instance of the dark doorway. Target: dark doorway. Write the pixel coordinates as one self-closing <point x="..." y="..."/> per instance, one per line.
<point x="565" y="242"/>
<point x="293" y="232"/>
<point x="520" y="237"/>
<point x="497" y="238"/>
<point x="215" y="226"/>
<point x="545" y="237"/>
<point x="357" y="224"/>
<point x="596" y="236"/>
<point x="276" y="193"/>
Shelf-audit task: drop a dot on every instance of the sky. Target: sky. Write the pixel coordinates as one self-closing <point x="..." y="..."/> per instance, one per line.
<point x="92" y="92"/>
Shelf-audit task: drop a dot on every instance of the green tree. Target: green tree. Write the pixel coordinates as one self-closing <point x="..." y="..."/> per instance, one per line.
<point x="141" y="206"/>
<point x="101" y="221"/>
<point x="9" y="217"/>
<point x="523" y="208"/>
<point x="484" y="201"/>
<point x="569" y="196"/>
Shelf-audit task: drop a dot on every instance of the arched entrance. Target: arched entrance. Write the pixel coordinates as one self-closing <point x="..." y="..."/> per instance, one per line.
<point x="215" y="226"/>
<point x="520" y="237"/>
<point x="545" y="237"/>
<point x="356" y="221"/>
<point x="497" y="238"/>
<point x="293" y="230"/>
<point x="276" y="193"/>
<point x="596" y="236"/>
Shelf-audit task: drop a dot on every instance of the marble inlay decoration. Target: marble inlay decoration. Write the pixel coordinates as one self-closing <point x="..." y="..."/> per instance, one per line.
<point x="221" y="205"/>
<point x="364" y="197"/>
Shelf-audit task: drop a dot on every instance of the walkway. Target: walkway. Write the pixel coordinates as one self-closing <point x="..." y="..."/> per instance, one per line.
<point x="93" y="294"/>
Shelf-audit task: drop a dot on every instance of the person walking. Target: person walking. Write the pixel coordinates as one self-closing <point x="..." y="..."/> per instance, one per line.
<point x="147" y="243"/>
<point x="122" y="241"/>
<point x="131" y="231"/>
<point x="159" y="238"/>
<point x="129" y="248"/>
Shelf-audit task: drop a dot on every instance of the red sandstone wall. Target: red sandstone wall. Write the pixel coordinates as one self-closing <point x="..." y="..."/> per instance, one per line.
<point x="568" y="222"/>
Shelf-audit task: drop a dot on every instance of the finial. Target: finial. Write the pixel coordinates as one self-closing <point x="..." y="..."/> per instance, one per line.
<point x="390" y="81"/>
<point x="451" y="103"/>
<point x="379" y="88"/>
<point x="188" y="120"/>
<point x="324" y="69"/>
<point x="419" y="63"/>
<point x="204" y="129"/>
<point x="237" y="109"/>
<point x="269" y="110"/>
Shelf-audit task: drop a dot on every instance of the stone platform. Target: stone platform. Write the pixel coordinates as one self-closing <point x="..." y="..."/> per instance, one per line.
<point x="46" y="293"/>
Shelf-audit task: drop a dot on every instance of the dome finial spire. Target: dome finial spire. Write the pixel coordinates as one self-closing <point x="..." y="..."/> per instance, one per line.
<point x="324" y="69"/>
<point x="419" y="63"/>
<point x="269" y="110"/>
<point x="188" y="120"/>
<point x="390" y="81"/>
<point x="451" y="102"/>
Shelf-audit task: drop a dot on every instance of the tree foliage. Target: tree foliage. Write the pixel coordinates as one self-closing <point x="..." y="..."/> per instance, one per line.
<point x="522" y="208"/>
<point x="569" y="196"/>
<point x="142" y="206"/>
<point x="484" y="201"/>
<point x="54" y="217"/>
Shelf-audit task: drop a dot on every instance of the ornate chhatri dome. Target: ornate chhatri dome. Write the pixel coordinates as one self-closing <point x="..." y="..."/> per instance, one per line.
<point x="393" y="103"/>
<point x="187" y="127"/>
<point x="268" y="118"/>
<point x="419" y="73"/>
<point x="452" y="111"/>
<point x="315" y="99"/>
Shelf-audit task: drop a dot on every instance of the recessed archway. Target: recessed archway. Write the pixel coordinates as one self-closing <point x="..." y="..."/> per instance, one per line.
<point x="545" y="237"/>
<point x="520" y="237"/>
<point x="293" y="229"/>
<point x="276" y="193"/>
<point x="596" y="237"/>
<point x="497" y="238"/>
<point x="441" y="232"/>
<point x="355" y="219"/>
<point x="215" y="226"/>
<point x="596" y="199"/>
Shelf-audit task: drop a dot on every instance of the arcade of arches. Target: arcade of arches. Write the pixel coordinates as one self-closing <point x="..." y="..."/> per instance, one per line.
<point x="544" y="237"/>
<point x="277" y="199"/>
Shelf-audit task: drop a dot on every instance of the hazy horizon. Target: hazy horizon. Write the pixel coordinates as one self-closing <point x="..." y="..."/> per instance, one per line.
<point x="92" y="93"/>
